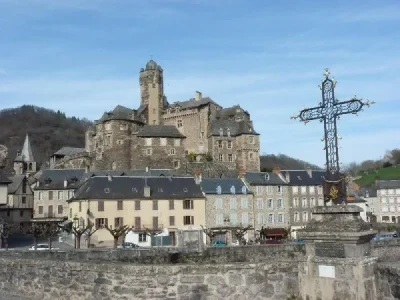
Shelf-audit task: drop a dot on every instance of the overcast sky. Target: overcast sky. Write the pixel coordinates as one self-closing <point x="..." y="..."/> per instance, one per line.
<point x="83" y="57"/>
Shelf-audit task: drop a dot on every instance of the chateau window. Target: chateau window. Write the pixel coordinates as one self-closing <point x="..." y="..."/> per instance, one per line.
<point x="188" y="220"/>
<point x="295" y="189"/>
<point x="244" y="203"/>
<point x="259" y="190"/>
<point x="187" y="204"/>
<point x="279" y="189"/>
<point x="280" y="218"/>
<point x="100" y="206"/>
<point x="233" y="218"/>
<point x="172" y="151"/>
<point x="311" y="189"/>
<point x="245" y="218"/>
<point x="269" y="190"/>
<point x="142" y="237"/>
<point x="260" y="203"/>
<point x="312" y="202"/>
<point x="179" y="123"/>
<point x="177" y="142"/>
<point x="23" y="200"/>
<point x="219" y="144"/>
<point x="270" y="203"/>
<point x="233" y="203"/>
<point x="251" y="139"/>
<point x="171" y="221"/>
<point x="304" y="202"/>
<point x="296" y="217"/>
<point x="218" y="203"/>
<point x="219" y="219"/>
<point x="138" y="223"/>
<point x="279" y="203"/>
<point x="171" y="204"/>
<point x="305" y="216"/>
<point x="221" y="157"/>
<point x="295" y="202"/>
<point x="229" y="144"/>
<point x="147" y="141"/>
<point x="303" y="189"/>
<point x="155" y="223"/>
<point x="230" y="157"/>
<point x="60" y="209"/>
<point x="50" y="195"/>
<point x="163" y="141"/>
<point x="320" y="201"/>
<point x="70" y="194"/>
<point x="270" y="218"/>
<point x="118" y="222"/>
<point x="251" y="156"/>
<point x="120" y="205"/>
<point x="107" y="126"/>
<point x="176" y="164"/>
<point x="202" y="134"/>
<point x="155" y="204"/>
<point x="148" y="151"/>
<point x="137" y="204"/>
<point x="40" y="210"/>
<point x="101" y="222"/>
<point x="260" y="219"/>
<point x="80" y="206"/>
<point x="59" y="195"/>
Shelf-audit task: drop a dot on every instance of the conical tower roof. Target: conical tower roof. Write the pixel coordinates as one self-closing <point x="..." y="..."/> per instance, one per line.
<point x="26" y="154"/>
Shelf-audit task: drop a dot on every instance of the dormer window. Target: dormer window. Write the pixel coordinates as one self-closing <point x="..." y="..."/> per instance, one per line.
<point x="266" y="176"/>
<point x="185" y="190"/>
<point x="106" y="190"/>
<point x="229" y="132"/>
<point x="233" y="190"/>
<point x="221" y="132"/>
<point x="47" y="180"/>
<point x="298" y="177"/>
<point x="134" y="190"/>
<point x="160" y="190"/>
<point x="244" y="190"/>
<point x="219" y="191"/>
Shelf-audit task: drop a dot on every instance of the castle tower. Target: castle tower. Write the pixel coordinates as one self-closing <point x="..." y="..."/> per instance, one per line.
<point x="152" y="91"/>
<point x="24" y="163"/>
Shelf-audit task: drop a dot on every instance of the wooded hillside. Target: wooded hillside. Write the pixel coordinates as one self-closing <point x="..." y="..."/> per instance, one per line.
<point x="269" y="161"/>
<point x="48" y="131"/>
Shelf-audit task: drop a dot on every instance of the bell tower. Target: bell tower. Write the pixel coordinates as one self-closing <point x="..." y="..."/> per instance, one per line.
<point x="152" y="91"/>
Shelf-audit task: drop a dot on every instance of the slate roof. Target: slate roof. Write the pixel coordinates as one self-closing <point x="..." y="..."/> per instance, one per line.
<point x="236" y="128"/>
<point x="264" y="178"/>
<point x="301" y="177"/>
<point x="4" y="179"/>
<point x="209" y="185"/>
<point x="226" y="113"/>
<point x="160" y="131"/>
<point x="53" y="179"/>
<point x="367" y="192"/>
<point x="16" y="182"/>
<point x="126" y="187"/>
<point x="192" y="103"/>
<point x="67" y="151"/>
<point x="388" y="184"/>
<point x="133" y="172"/>
<point x="26" y="154"/>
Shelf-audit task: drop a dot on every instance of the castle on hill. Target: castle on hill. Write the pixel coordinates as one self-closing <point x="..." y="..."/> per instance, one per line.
<point x="162" y="135"/>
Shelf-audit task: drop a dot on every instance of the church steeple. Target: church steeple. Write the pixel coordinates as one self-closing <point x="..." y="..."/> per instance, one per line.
<point x="25" y="162"/>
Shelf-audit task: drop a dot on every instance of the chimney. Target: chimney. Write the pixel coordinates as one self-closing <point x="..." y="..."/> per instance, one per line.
<point x="109" y="177"/>
<point x="146" y="191"/>
<point x="287" y="177"/>
<point x="147" y="169"/>
<point x="65" y="183"/>
<point x="197" y="96"/>
<point x="197" y="176"/>
<point x="277" y="170"/>
<point x="241" y="174"/>
<point x="309" y="171"/>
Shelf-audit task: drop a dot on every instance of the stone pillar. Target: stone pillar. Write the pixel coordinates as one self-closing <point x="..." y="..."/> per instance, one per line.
<point x="338" y="264"/>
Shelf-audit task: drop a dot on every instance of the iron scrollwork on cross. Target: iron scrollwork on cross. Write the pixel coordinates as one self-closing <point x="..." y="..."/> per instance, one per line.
<point x="328" y="112"/>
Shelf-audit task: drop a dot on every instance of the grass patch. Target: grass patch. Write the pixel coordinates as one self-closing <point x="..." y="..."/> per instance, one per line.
<point x="368" y="178"/>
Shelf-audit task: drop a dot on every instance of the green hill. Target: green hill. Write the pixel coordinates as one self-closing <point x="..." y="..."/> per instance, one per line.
<point x="369" y="177"/>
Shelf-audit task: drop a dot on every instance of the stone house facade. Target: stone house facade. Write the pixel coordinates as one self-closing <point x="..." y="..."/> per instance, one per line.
<point x="305" y="193"/>
<point x="271" y="199"/>
<point x="118" y="139"/>
<point x="229" y="204"/>
<point x="165" y="206"/>
<point x="52" y="190"/>
<point x="388" y="194"/>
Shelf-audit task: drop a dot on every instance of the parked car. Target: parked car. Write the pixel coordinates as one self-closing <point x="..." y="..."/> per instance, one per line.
<point x="42" y="247"/>
<point x="298" y="241"/>
<point x="218" y="244"/>
<point x="127" y="245"/>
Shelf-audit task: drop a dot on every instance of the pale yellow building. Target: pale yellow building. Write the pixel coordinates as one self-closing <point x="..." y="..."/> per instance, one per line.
<point x="169" y="206"/>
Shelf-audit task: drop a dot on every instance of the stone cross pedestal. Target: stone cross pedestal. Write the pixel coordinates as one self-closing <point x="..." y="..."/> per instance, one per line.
<point x="339" y="265"/>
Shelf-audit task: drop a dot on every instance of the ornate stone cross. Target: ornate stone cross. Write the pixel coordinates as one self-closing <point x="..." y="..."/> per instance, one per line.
<point x="328" y="111"/>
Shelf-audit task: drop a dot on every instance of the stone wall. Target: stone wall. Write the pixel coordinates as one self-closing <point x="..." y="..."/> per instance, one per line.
<point x="388" y="281"/>
<point x="241" y="273"/>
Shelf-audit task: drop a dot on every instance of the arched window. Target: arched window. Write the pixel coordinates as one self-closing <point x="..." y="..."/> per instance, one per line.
<point x="219" y="191"/>
<point x="114" y="165"/>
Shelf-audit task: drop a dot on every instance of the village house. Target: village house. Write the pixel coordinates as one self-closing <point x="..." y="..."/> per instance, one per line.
<point x="388" y="193"/>
<point x="151" y="206"/>
<point x="229" y="206"/>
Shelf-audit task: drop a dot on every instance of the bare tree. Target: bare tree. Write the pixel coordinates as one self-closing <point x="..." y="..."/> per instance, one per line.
<point x="118" y="232"/>
<point x="240" y="232"/>
<point x="51" y="230"/>
<point x="90" y="231"/>
<point x="152" y="232"/>
<point x="36" y="230"/>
